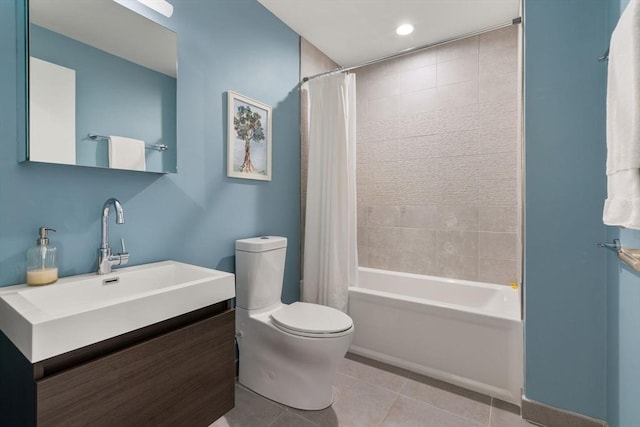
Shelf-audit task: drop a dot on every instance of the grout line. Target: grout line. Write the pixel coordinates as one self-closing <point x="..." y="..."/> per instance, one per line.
<point x="400" y="393"/>
<point x="290" y="410"/>
<point x="277" y="418"/>
<point x="438" y="408"/>
<point x="490" y="410"/>
<point x="389" y="410"/>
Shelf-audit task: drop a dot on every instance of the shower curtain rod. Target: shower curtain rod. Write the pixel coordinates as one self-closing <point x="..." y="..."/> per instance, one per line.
<point x="514" y="21"/>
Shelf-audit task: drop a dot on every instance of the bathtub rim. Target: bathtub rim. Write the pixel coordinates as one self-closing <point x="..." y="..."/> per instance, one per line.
<point x="442" y="307"/>
<point x="437" y="278"/>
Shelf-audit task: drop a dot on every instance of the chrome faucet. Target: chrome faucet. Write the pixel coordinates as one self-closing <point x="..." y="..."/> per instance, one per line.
<point x="105" y="259"/>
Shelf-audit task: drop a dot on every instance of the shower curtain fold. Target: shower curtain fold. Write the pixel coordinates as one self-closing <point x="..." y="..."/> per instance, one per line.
<point x="330" y="261"/>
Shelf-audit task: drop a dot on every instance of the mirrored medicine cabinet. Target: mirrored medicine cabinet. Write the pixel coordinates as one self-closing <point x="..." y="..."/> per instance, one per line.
<point x="97" y="69"/>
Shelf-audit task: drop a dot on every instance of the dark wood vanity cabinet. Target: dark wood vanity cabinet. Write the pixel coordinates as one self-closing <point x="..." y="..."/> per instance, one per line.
<point x="179" y="372"/>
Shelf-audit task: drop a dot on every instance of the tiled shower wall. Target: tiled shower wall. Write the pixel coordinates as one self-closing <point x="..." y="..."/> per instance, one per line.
<point x="439" y="160"/>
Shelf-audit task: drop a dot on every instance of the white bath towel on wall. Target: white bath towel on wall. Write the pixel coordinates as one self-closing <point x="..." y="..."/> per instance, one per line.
<point x="126" y="153"/>
<point x="622" y="206"/>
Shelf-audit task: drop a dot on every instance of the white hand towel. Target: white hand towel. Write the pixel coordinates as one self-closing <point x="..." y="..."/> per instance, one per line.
<point x="126" y="153"/>
<point x="622" y="207"/>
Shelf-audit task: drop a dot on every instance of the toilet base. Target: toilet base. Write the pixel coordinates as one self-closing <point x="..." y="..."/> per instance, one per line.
<point x="292" y="370"/>
<point x="269" y="394"/>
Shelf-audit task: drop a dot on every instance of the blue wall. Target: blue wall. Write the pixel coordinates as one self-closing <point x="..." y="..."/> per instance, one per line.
<point x="624" y="316"/>
<point x="113" y="97"/>
<point x="195" y="215"/>
<point x="565" y="274"/>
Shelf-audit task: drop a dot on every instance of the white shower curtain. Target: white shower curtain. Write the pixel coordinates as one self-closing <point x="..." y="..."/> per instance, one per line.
<point x="330" y="263"/>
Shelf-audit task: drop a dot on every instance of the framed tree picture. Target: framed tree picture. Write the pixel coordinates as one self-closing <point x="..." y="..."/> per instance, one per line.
<point x="248" y="138"/>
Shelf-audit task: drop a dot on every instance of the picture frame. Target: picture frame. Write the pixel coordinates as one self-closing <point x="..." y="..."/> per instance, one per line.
<point x="248" y="138"/>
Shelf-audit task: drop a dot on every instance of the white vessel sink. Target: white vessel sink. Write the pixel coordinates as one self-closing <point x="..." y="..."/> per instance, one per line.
<point x="77" y="311"/>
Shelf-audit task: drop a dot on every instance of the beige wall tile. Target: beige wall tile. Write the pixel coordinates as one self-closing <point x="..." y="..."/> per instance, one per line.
<point x="500" y="60"/>
<point x="363" y="236"/>
<point x="498" y="140"/>
<point x="425" y="147"/>
<point x="412" y="262"/>
<point x="461" y="143"/>
<point x="385" y="193"/>
<point x="416" y="240"/>
<point x="498" y="87"/>
<point x="504" y="37"/>
<point x="383" y="216"/>
<point x="456" y="266"/>
<point x="381" y="237"/>
<point x="382" y="86"/>
<point x="498" y="219"/>
<point x="498" y="166"/>
<point x="362" y="193"/>
<point x="385" y="150"/>
<point x="419" y="193"/>
<point x="464" y="193"/>
<point x="419" y="124"/>
<point x="497" y="245"/>
<point x="458" y="94"/>
<point x="416" y="79"/>
<point x="458" y="243"/>
<point x="377" y="130"/>
<point x="463" y="69"/>
<point x="364" y="153"/>
<point x="458" y="118"/>
<point x="363" y="213"/>
<point x="363" y="256"/>
<point x="379" y="258"/>
<point x="458" y="218"/>
<point x="498" y="192"/>
<point x="425" y="217"/>
<point x="383" y="108"/>
<point x="457" y="49"/>
<point x="499" y="271"/>
<point x="420" y="101"/>
<point x="499" y="114"/>
<point x="458" y="168"/>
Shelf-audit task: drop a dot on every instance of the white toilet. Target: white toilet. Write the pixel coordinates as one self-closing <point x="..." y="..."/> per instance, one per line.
<point x="288" y="353"/>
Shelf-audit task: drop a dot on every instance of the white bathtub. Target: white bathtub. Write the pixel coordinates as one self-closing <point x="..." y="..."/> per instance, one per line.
<point x="465" y="333"/>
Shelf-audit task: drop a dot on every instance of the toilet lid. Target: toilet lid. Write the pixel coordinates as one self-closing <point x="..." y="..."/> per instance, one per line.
<point x="311" y="319"/>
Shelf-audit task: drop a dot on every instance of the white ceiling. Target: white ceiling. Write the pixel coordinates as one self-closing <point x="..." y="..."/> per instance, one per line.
<point x="355" y="31"/>
<point x="108" y="26"/>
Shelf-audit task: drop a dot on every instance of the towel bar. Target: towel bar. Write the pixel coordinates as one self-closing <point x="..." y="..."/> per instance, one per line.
<point x="159" y="147"/>
<point x="629" y="256"/>
<point x="615" y="246"/>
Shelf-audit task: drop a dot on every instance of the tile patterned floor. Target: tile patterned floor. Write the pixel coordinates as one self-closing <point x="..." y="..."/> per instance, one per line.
<point x="371" y="394"/>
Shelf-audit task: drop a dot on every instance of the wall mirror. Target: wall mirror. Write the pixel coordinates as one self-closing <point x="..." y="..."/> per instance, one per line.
<point x="102" y="87"/>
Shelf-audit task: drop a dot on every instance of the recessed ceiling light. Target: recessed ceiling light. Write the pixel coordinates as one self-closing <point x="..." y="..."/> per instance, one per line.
<point x="404" y="29"/>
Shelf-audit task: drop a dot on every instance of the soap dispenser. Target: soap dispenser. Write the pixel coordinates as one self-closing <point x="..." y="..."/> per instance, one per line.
<point x="42" y="264"/>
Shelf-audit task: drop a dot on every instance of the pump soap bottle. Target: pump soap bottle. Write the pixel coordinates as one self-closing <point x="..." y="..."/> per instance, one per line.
<point x="42" y="267"/>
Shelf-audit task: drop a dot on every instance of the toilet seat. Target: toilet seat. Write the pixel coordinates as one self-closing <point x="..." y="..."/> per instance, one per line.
<point x="312" y="320"/>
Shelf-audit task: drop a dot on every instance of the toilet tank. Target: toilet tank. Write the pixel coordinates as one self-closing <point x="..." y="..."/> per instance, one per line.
<point x="259" y="271"/>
